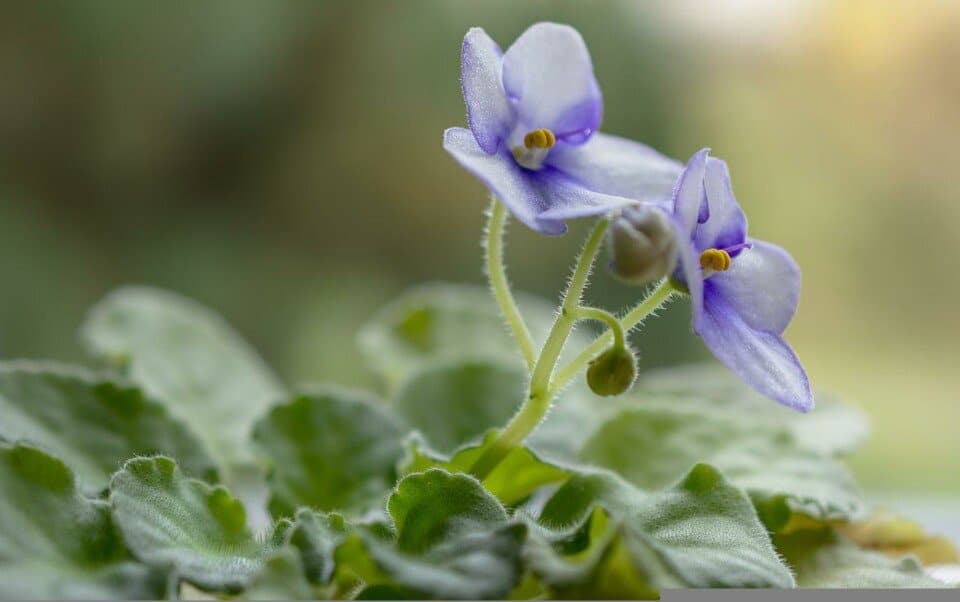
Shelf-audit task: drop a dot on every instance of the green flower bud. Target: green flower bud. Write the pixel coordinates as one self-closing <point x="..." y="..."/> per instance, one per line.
<point x="643" y="245"/>
<point x="612" y="372"/>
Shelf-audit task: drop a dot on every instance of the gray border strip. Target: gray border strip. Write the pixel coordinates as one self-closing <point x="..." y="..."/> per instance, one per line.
<point x="805" y="595"/>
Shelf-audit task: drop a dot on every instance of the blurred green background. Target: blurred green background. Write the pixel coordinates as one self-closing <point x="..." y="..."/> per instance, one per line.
<point x="281" y="162"/>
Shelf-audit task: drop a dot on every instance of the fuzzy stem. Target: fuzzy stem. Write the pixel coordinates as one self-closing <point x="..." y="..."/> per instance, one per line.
<point x="539" y="397"/>
<point x="602" y="315"/>
<point x="660" y="295"/>
<point x="497" y="275"/>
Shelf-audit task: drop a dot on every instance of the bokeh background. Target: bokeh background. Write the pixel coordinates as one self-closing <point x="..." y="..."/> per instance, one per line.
<point x="281" y="162"/>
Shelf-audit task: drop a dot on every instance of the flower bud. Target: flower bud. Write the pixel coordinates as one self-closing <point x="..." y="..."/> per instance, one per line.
<point x="612" y="372"/>
<point x="643" y="245"/>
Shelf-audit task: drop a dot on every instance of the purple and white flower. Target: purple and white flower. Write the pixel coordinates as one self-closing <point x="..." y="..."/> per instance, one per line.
<point x="744" y="291"/>
<point x="533" y="113"/>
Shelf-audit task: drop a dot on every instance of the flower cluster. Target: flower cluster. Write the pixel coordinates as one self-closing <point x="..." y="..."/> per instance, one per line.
<point x="534" y="113"/>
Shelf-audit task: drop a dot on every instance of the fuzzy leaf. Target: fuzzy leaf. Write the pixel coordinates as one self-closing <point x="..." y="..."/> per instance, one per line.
<point x="330" y="450"/>
<point x="651" y="444"/>
<point x="187" y="357"/>
<point x="455" y="403"/>
<point x="57" y="544"/>
<point x="94" y="423"/>
<point x="821" y="558"/>
<point x="441" y="322"/>
<point x="517" y="476"/>
<point x="317" y="536"/>
<point x="453" y="540"/>
<point x="832" y="428"/>
<point x="700" y="532"/>
<point x="437" y="323"/>
<point x="281" y="578"/>
<point x="170" y="520"/>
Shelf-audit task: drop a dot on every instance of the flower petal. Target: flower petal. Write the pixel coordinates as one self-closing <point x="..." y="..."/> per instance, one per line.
<point x="727" y="225"/>
<point x="689" y="274"/>
<point x="570" y="199"/>
<point x="489" y="112"/>
<point x="689" y="196"/>
<point x="615" y="165"/>
<point x="761" y="358"/>
<point x="762" y="286"/>
<point x="515" y="186"/>
<point x="548" y="74"/>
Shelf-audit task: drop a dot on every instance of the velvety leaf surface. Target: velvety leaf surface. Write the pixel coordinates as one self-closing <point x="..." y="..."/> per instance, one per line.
<point x="832" y="427"/>
<point x="92" y="422"/>
<point x="187" y="357"/>
<point x="821" y="558"/>
<point x="168" y="519"/>
<point x="442" y="322"/>
<point x="317" y="536"/>
<point x="57" y="544"/>
<point x="281" y="578"/>
<point x="517" y="476"/>
<point x="651" y="444"/>
<point x="330" y="450"/>
<point x="453" y="540"/>
<point x="700" y="532"/>
<point x="455" y="403"/>
<point x="599" y="561"/>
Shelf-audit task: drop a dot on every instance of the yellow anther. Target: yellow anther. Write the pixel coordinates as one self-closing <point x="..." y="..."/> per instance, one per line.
<point x="716" y="260"/>
<point x="541" y="138"/>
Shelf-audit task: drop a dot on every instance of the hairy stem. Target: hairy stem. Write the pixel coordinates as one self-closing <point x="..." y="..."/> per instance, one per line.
<point x="539" y="397"/>
<point x="602" y="315"/>
<point x="497" y="275"/>
<point x="660" y="295"/>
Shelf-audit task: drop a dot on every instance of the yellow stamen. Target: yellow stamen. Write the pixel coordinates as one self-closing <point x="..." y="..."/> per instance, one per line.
<point x="716" y="260"/>
<point x="541" y="138"/>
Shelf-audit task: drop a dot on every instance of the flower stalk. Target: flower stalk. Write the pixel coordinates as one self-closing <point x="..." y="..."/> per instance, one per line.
<point x="497" y="275"/>
<point x="541" y="391"/>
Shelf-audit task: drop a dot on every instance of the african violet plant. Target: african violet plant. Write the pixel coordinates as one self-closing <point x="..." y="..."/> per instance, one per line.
<point x="494" y="465"/>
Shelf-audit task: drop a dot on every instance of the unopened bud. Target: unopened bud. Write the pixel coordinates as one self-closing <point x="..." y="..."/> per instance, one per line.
<point x="612" y="372"/>
<point x="643" y="245"/>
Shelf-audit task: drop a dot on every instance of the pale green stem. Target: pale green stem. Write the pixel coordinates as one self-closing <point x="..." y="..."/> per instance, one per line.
<point x="660" y="295"/>
<point x="538" y="399"/>
<point x="497" y="274"/>
<point x="602" y="315"/>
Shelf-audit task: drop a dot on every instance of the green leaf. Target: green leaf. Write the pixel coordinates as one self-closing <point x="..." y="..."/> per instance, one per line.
<point x="330" y="450"/>
<point x="832" y="428"/>
<point x="317" y="536"/>
<point x="596" y="560"/>
<point x="514" y="479"/>
<point x="187" y="357"/>
<point x="170" y="520"/>
<point x="281" y="578"/>
<point x="435" y="506"/>
<point x="436" y="323"/>
<point x="700" y="532"/>
<point x="441" y="322"/>
<point x="454" y="403"/>
<point x="453" y="540"/>
<point x="91" y="421"/>
<point x="651" y="444"/>
<point x="57" y="544"/>
<point x="821" y="558"/>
